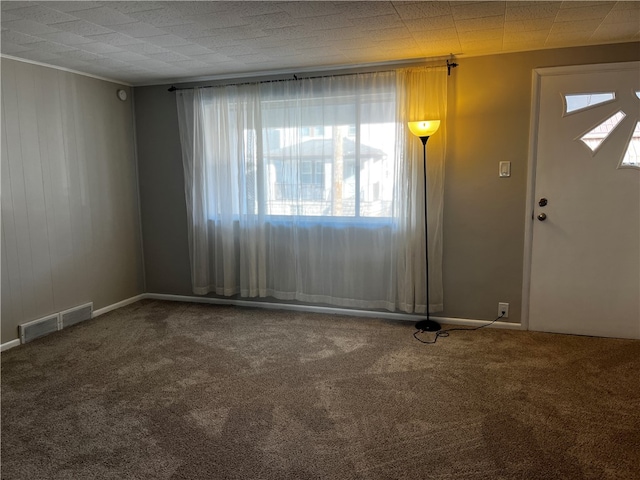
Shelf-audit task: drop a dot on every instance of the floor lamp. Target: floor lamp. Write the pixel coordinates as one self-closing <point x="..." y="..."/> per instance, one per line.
<point x="423" y="130"/>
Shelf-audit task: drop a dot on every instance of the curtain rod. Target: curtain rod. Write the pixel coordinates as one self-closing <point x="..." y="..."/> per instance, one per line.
<point x="173" y="88"/>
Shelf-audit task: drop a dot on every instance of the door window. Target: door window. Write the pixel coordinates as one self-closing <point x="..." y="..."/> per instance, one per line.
<point x="596" y="136"/>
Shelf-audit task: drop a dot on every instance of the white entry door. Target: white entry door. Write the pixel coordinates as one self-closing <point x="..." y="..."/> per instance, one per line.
<point x="585" y="225"/>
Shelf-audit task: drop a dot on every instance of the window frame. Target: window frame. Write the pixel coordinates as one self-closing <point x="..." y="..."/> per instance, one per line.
<point x="262" y="164"/>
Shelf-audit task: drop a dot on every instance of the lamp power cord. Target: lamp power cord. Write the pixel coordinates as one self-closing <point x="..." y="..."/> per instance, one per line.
<point x="445" y="333"/>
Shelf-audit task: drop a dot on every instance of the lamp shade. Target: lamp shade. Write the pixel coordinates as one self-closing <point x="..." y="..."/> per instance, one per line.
<point x="424" y="128"/>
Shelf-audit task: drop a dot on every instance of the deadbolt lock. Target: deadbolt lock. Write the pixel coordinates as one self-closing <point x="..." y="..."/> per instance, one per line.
<point x="543" y="202"/>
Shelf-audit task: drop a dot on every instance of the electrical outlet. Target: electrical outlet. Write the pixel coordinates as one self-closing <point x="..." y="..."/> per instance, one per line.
<point x="503" y="307"/>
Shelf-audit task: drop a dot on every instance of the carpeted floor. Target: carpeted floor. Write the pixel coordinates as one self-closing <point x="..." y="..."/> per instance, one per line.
<point x="163" y="390"/>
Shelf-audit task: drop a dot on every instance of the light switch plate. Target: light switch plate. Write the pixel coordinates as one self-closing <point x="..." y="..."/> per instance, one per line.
<point x="505" y="169"/>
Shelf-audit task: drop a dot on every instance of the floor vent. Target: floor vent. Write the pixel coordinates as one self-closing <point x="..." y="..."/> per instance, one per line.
<point x="38" y="328"/>
<point x="76" y="315"/>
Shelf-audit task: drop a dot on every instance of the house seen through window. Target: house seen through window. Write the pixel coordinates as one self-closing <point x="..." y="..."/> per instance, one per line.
<point x="326" y="171"/>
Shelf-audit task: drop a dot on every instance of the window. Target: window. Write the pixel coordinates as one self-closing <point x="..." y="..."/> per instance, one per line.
<point x="333" y="158"/>
<point x="600" y="133"/>
<point x="632" y="154"/>
<point x="594" y="137"/>
<point x="580" y="101"/>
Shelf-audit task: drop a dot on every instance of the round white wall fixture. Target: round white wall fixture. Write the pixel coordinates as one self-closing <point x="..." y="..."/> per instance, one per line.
<point x="122" y="95"/>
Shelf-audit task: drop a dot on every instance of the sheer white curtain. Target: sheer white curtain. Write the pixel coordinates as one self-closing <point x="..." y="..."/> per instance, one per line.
<point x="422" y="94"/>
<point x="312" y="189"/>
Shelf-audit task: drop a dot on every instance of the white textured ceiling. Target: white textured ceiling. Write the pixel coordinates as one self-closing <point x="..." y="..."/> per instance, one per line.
<point x="154" y="42"/>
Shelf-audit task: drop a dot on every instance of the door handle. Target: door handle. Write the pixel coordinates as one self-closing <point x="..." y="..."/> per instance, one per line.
<point x="542" y="217"/>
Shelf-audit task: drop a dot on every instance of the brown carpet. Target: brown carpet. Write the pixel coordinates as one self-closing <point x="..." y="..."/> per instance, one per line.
<point x="163" y="390"/>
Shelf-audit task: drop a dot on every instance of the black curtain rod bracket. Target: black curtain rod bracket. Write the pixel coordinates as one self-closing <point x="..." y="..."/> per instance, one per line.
<point x="450" y="65"/>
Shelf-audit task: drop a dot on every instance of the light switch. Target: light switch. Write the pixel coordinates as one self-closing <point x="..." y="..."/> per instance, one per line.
<point x="505" y="169"/>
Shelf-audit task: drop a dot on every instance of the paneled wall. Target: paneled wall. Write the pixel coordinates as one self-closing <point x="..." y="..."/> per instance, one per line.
<point x="70" y="217"/>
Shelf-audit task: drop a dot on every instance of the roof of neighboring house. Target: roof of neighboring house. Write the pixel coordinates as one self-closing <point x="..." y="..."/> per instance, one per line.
<point x="319" y="147"/>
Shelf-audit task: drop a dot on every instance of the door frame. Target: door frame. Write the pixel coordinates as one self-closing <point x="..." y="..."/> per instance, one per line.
<point x="536" y="83"/>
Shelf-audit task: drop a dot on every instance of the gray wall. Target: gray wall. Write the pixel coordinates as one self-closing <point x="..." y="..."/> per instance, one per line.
<point x="70" y="217"/>
<point x="484" y="217"/>
<point x="162" y="201"/>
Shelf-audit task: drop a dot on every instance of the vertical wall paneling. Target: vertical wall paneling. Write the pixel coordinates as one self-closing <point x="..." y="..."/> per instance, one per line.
<point x="34" y="159"/>
<point x="56" y="184"/>
<point x="7" y="308"/>
<point x="11" y="271"/>
<point x="32" y="219"/>
<point x="74" y="189"/>
<point x="17" y="231"/>
<point x="86" y="163"/>
<point x="70" y="215"/>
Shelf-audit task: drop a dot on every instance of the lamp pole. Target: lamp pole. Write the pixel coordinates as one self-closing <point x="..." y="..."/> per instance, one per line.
<point x="423" y="130"/>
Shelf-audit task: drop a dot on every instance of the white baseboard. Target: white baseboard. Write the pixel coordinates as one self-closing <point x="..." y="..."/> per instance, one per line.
<point x="9" y="344"/>
<point x="477" y="323"/>
<point x="406" y="317"/>
<point x="285" y="306"/>
<point x="330" y="310"/>
<point x="117" y="305"/>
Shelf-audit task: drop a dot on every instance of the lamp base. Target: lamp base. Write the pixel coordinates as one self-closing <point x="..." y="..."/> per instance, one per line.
<point x="428" y="326"/>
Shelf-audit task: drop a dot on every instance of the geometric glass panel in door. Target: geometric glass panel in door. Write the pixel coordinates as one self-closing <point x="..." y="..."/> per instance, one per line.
<point x="632" y="155"/>
<point x="575" y="102"/>
<point x="594" y="138"/>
